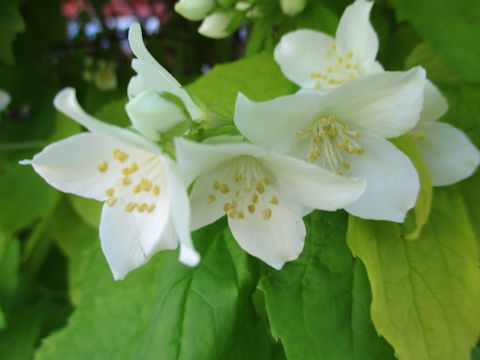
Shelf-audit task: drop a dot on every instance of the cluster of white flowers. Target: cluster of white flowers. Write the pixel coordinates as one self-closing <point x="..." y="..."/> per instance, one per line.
<point x="324" y="147"/>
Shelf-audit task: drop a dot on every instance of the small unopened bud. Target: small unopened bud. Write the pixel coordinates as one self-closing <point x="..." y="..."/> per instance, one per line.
<point x="152" y="114"/>
<point x="292" y="7"/>
<point x="194" y="9"/>
<point x="215" y="25"/>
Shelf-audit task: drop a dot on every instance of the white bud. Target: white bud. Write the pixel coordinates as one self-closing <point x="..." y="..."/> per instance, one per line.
<point x="4" y="100"/>
<point x="215" y="25"/>
<point x="194" y="9"/>
<point x="152" y="114"/>
<point x="292" y="7"/>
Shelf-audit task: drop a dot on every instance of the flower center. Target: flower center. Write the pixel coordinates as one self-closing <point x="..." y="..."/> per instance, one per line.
<point x="244" y="191"/>
<point x="329" y="141"/>
<point x="137" y="184"/>
<point x="339" y="68"/>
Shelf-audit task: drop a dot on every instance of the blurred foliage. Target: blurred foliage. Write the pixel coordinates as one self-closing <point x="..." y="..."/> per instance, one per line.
<point x="58" y="299"/>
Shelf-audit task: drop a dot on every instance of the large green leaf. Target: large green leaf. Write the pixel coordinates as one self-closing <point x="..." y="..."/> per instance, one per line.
<point x="163" y="309"/>
<point x="319" y="304"/>
<point x="452" y="27"/>
<point x="426" y="293"/>
<point x="257" y="77"/>
<point x="11" y="23"/>
<point x="418" y="216"/>
<point x="25" y="197"/>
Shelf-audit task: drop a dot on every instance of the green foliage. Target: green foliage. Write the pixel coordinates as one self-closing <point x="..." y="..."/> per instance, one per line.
<point x="257" y="77"/>
<point x="319" y="305"/>
<point x="452" y="27"/>
<point x="164" y="307"/>
<point x="425" y="292"/>
<point x="11" y="23"/>
<point x="418" y="216"/>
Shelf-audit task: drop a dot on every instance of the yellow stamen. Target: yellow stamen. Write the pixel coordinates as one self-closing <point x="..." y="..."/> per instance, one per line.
<point x="266" y="214"/>
<point x="274" y="200"/>
<point x="142" y="207"/>
<point x="110" y="202"/>
<point x="146" y="184"/>
<point x="156" y="190"/>
<point x="102" y="166"/>
<point x="110" y="192"/>
<point x="137" y="188"/>
<point x="120" y="155"/>
<point x="251" y="208"/>
<point x="211" y="198"/>
<point x="224" y="189"/>
<point x="130" y="206"/>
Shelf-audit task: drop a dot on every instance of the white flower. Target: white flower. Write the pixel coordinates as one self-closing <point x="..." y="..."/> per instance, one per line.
<point x="264" y="194"/>
<point x="194" y="9"/>
<point x="345" y="130"/>
<point x="4" y="100"/>
<point x="315" y="60"/>
<point x="152" y="76"/>
<point x="146" y="205"/>
<point x="449" y="155"/>
<point x="215" y="26"/>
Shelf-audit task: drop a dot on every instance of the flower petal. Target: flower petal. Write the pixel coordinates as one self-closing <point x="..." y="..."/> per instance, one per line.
<point x="151" y="113"/>
<point x="194" y="9"/>
<point x="195" y="158"/>
<point x="275" y="123"/>
<point x="355" y="32"/>
<point x="120" y="243"/>
<point x="434" y="103"/>
<point x="301" y="52"/>
<point x="181" y="214"/>
<point x="71" y="165"/>
<point x="312" y="185"/>
<point x="152" y="76"/>
<point x="66" y="102"/>
<point x="448" y="153"/>
<point x="387" y="103"/>
<point x="276" y="240"/>
<point x="392" y="181"/>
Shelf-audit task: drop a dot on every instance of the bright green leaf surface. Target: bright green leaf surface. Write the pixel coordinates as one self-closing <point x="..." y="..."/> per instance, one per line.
<point x="426" y="293"/>
<point x="11" y="23"/>
<point x="452" y="27"/>
<point x="418" y="216"/>
<point x="27" y="195"/>
<point x="257" y="77"/>
<point x="319" y="305"/>
<point x="164" y="309"/>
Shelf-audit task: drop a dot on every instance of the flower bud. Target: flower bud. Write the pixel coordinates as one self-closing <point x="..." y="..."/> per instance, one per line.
<point x="194" y="9"/>
<point x="151" y="114"/>
<point x="4" y="100"/>
<point x="292" y="7"/>
<point x="215" y="25"/>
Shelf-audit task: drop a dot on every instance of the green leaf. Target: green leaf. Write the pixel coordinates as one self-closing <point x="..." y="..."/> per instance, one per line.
<point x="319" y="304"/>
<point x="164" y="308"/>
<point x="11" y="23"/>
<point x="426" y="293"/>
<point x="25" y="195"/>
<point x="257" y="77"/>
<point x="418" y="216"/>
<point x="470" y="191"/>
<point x="452" y="27"/>
<point x="89" y="210"/>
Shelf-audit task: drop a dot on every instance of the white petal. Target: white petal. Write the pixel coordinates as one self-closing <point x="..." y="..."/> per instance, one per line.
<point x="434" y="103"/>
<point x="66" y="102"/>
<point x="194" y="9"/>
<point x="4" y="100"/>
<point x="181" y="214"/>
<point x="312" y="185"/>
<point x="387" y="103"/>
<point x="195" y="158"/>
<point x="205" y="211"/>
<point x="275" y="123"/>
<point x="151" y="113"/>
<point x="392" y="181"/>
<point x="276" y="240"/>
<point x="71" y="165"/>
<point x="449" y="155"/>
<point x="355" y="32"/>
<point x="152" y="76"/>
<point x="302" y="52"/>
<point x="120" y="243"/>
<point x="215" y="25"/>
